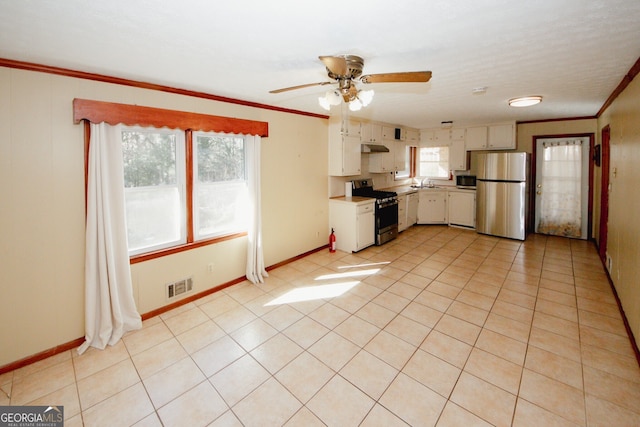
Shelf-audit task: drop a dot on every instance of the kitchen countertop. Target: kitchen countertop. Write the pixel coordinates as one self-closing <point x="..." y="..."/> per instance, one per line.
<point x="405" y="189"/>
<point x="462" y="190"/>
<point x="401" y="190"/>
<point x="354" y="199"/>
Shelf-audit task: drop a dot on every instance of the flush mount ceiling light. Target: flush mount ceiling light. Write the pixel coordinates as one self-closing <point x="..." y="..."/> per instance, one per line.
<point x="525" y="101"/>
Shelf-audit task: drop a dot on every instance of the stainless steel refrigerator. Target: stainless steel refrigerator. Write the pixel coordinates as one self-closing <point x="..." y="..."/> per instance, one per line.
<point x="502" y="194"/>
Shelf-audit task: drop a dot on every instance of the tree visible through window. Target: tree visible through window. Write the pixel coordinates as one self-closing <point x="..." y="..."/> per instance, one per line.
<point x="155" y="180"/>
<point x="220" y="186"/>
<point x="154" y="188"/>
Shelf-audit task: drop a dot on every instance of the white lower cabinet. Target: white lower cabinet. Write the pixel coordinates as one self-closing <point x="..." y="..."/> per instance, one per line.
<point x="462" y="208"/>
<point x="402" y="213"/>
<point x="432" y="207"/>
<point x="353" y="222"/>
<point x="412" y="208"/>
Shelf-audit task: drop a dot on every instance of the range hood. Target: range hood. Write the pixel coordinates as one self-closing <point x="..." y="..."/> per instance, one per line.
<point x="373" y="148"/>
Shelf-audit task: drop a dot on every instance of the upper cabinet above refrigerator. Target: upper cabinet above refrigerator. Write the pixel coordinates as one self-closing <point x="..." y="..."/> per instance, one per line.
<point x="491" y="137"/>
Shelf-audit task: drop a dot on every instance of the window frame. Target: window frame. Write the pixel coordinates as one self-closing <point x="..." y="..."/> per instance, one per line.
<point x="90" y="111"/>
<point x="181" y="176"/>
<point x="195" y="182"/>
<point x="418" y="162"/>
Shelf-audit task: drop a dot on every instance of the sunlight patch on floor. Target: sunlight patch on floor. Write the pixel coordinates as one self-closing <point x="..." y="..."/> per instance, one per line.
<point x="348" y="274"/>
<point x="371" y="264"/>
<point x="313" y="293"/>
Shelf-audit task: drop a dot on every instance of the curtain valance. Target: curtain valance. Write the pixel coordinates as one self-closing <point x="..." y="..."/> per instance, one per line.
<point x="132" y="115"/>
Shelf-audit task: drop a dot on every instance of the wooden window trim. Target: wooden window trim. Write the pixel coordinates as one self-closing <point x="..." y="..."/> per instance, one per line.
<point x="88" y="111"/>
<point x="132" y="115"/>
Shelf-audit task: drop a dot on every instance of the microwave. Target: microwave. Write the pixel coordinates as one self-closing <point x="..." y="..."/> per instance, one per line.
<point x="466" y="181"/>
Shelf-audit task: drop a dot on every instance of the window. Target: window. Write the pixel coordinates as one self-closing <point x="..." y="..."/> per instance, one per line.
<point x="220" y="185"/>
<point x="154" y="178"/>
<point x="155" y="175"/>
<point x="161" y="174"/>
<point x="434" y="162"/>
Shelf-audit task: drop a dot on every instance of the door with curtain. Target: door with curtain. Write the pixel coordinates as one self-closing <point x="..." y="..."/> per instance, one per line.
<point x="562" y="186"/>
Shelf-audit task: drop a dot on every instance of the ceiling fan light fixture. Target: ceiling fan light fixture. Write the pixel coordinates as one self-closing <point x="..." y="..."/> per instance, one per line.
<point x="355" y="105"/>
<point x="324" y="103"/>
<point x="355" y="99"/>
<point x="333" y="97"/>
<point x="525" y="101"/>
<point x="365" y="96"/>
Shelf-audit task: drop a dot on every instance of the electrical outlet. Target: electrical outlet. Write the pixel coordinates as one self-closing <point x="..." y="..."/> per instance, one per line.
<point x="210" y="267"/>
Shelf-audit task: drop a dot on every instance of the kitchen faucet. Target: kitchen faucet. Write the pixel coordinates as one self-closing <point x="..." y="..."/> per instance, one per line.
<point x="429" y="185"/>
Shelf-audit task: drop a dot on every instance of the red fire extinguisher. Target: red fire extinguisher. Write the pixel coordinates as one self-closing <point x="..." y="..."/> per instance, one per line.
<point x="332" y="242"/>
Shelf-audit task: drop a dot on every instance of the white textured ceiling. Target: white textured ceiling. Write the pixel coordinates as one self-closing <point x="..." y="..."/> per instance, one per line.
<point x="572" y="52"/>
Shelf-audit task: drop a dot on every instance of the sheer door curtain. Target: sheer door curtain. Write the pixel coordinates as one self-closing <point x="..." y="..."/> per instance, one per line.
<point x="560" y="202"/>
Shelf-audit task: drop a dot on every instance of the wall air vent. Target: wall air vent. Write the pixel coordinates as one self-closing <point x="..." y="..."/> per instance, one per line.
<point x="179" y="287"/>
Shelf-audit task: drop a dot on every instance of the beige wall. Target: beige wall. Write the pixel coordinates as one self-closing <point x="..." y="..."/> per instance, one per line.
<point x="42" y="205"/>
<point x="526" y="131"/>
<point x="623" y="118"/>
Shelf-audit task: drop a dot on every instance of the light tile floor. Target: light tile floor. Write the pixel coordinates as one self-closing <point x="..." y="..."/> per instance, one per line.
<point x="441" y="326"/>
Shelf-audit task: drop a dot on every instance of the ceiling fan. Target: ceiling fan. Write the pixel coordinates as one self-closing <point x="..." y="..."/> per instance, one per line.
<point x="346" y="70"/>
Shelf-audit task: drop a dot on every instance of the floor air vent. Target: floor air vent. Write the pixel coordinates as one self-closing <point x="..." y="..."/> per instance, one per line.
<point x="180" y="287"/>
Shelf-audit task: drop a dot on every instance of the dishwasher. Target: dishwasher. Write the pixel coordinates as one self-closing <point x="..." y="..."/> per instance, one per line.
<point x="412" y="208"/>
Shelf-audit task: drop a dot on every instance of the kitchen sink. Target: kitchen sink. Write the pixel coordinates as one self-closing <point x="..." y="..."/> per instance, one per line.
<point x="424" y="186"/>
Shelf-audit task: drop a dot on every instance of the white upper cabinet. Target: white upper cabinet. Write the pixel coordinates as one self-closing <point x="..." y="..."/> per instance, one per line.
<point x="457" y="134"/>
<point x="437" y="137"/>
<point x="441" y="136"/>
<point x="344" y="156"/>
<point x="413" y="137"/>
<point x="344" y="149"/>
<point x="491" y="137"/>
<point x="502" y="137"/>
<point x="427" y="137"/>
<point x="351" y="127"/>
<point x="371" y="133"/>
<point x="383" y="162"/>
<point x="388" y="133"/>
<point x="401" y="156"/>
<point x="457" y="155"/>
<point x="476" y="138"/>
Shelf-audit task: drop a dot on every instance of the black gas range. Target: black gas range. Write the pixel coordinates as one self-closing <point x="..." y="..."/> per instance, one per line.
<point x="386" y="213"/>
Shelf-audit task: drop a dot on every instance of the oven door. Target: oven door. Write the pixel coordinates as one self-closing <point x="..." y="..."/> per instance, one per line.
<point x="386" y="221"/>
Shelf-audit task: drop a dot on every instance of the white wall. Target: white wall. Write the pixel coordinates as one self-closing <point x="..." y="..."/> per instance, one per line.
<point x="42" y="205"/>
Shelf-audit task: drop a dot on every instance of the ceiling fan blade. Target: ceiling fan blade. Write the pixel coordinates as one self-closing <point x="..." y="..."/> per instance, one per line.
<point x="299" y="87"/>
<point x="336" y="64"/>
<point x="408" y="77"/>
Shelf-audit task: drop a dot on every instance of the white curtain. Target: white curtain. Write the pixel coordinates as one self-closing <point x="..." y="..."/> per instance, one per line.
<point x="255" y="260"/>
<point x="561" y="198"/>
<point x="110" y="309"/>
